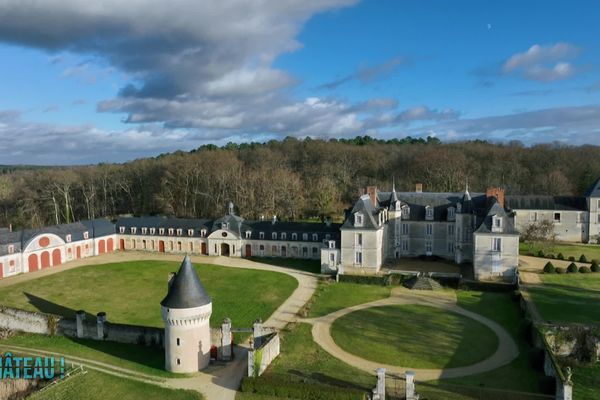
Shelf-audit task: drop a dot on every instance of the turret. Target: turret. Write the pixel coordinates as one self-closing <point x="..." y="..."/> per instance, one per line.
<point x="186" y="313"/>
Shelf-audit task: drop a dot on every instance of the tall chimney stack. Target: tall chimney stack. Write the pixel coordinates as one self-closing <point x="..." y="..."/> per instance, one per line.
<point x="372" y="192"/>
<point x="419" y="188"/>
<point x="496" y="192"/>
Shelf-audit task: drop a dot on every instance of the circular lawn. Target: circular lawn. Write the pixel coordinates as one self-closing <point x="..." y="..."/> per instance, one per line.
<point x="414" y="336"/>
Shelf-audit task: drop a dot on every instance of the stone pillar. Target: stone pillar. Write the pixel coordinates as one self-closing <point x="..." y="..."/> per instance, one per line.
<point x="567" y="392"/>
<point x="100" y="320"/>
<point x="410" y="385"/>
<point x="380" y="389"/>
<point x="257" y="333"/>
<point x="79" y="318"/>
<point x="226" y="339"/>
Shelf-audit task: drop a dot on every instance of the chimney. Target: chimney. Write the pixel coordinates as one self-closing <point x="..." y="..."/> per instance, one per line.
<point x="372" y="192"/>
<point x="274" y="220"/>
<point x="496" y="192"/>
<point x="419" y="188"/>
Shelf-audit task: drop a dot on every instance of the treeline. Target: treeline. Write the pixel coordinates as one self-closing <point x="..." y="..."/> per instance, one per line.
<point x="293" y="179"/>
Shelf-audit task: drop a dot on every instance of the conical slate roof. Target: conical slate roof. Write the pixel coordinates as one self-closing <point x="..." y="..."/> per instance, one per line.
<point x="186" y="291"/>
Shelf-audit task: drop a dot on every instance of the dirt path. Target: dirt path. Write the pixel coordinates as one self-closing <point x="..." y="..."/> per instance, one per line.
<point x="506" y="352"/>
<point x="214" y="383"/>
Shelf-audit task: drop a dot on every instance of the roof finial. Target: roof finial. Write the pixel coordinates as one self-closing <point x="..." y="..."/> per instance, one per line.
<point x="393" y="183"/>
<point x="231" y="210"/>
<point x="467" y="184"/>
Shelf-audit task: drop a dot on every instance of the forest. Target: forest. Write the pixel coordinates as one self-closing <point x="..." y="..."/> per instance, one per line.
<point x="293" y="179"/>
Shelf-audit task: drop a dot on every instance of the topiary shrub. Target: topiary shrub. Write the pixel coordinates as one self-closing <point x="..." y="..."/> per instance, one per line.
<point x="585" y="270"/>
<point x="560" y="256"/>
<point x="572" y="268"/>
<point x="549" y="268"/>
<point x="540" y="253"/>
<point x="559" y="270"/>
<point x="571" y="258"/>
<point x="582" y="258"/>
<point x="594" y="267"/>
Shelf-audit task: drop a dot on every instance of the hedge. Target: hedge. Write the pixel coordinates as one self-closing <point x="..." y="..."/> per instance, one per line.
<point x="571" y="258"/>
<point x="549" y="268"/>
<point x="585" y="270"/>
<point x="572" y="268"/>
<point x="481" y="286"/>
<point x="364" y="279"/>
<point x="283" y="387"/>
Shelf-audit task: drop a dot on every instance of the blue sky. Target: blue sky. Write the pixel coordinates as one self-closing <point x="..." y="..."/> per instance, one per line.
<point x="111" y="81"/>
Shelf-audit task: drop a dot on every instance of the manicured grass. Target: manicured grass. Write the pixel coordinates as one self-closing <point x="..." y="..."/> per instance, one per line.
<point x="331" y="296"/>
<point x="148" y="360"/>
<point x="518" y="375"/>
<point x="586" y="382"/>
<point x="95" y="385"/>
<point x="414" y="336"/>
<point x="313" y="266"/>
<point x="130" y="292"/>
<point x="591" y="251"/>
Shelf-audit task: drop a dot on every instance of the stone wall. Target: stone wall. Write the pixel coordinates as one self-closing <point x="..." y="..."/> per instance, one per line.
<point x="261" y="357"/>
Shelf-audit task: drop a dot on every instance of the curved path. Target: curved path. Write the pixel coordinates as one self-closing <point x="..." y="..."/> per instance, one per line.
<point x="215" y="382"/>
<point x="506" y="352"/>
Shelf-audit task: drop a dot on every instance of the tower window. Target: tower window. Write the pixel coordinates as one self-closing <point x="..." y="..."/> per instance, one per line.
<point x="178" y="361"/>
<point x="178" y="342"/>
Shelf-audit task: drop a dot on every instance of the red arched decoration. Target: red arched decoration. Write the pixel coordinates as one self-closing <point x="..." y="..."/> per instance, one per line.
<point x="45" y="259"/>
<point x="109" y="245"/>
<point x="44" y="241"/>
<point x="101" y="248"/>
<point x="32" y="261"/>
<point x="56" y="258"/>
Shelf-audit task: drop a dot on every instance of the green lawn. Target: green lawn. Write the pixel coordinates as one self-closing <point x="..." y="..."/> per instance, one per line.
<point x="148" y="360"/>
<point x="130" y="292"/>
<point x="99" y="386"/>
<point x="591" y="251"/>
<point x="414" y="336"/>
<point x="586" y="382"/>
<point x="331" y="297"/>
<point x="518" y="375"/>
<point x="568" y="297"/>
<point x="313" y="266"/>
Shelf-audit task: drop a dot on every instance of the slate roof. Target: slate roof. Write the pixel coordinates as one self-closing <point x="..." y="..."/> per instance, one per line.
<point x="163" y="222"/>
<point x="186" y="290"/>
<point x="539" y="202"/>
<point x="485" y="221"/>
<point x="594" y="190"/>
<point x="75" y="229"/>
<point x="321" y="229"/>
<point x="366" y="207"/>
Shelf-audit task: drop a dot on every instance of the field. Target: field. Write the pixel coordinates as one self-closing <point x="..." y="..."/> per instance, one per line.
<point x="591" y="251"/>
<point x="414" y="336"/>
<point x="130" y="292"/>
<point x="99" y="386"/>
<point x="330" y="297"/>
<point x="568" y="297"/>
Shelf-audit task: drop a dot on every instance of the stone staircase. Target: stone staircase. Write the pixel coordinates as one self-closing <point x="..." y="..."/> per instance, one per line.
<point x="422" y="283"/>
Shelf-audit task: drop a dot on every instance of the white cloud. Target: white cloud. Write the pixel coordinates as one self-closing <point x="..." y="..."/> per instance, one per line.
<point x="543" y="63"/>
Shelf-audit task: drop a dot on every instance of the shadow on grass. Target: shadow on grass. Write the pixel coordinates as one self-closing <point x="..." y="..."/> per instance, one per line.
<point x="148" y="356"/>
<point x="305" y="265"/>
<point x="327" y="380"/>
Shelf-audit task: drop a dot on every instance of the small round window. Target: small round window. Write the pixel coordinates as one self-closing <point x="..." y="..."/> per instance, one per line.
<point x="224" y="234"/>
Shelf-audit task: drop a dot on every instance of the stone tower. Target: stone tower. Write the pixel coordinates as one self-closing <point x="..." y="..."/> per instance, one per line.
<point x="186" y="313"/>
<point x="395" y="221"/>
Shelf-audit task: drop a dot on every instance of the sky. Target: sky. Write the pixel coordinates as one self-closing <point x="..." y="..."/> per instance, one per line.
<point x="109" y="81"/>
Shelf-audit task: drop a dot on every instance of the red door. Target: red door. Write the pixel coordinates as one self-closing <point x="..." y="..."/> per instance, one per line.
<point x="248" y="250"/>
<point x="45" y="259"/>
<point x="56" y="258"/>
<point x="122" y="244"/>
<point x="32" y="261"/>
<point x="203" y="248"/>
<point x="109" y="245"/>
<point x="161" y="246"/>
<point x="101" y="248"/>
<point x="1" y="271"/>
<point x="78" y="252"/>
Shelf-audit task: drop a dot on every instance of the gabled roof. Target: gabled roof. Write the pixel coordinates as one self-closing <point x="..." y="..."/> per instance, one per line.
<point x="185" y="290"/>
<point x="539" y="202"/>
<point x="365" y="206"/>
<point x="594" y="190"/>
<point x="485" y="220"/>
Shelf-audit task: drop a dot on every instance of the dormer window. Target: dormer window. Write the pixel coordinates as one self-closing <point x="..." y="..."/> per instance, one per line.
<point x="451" y="212"/>
<point x="152" y="231"/>
<point x="144" y="231"/>
<point x="274" y="235"/>
<point x="190" y="232"/>
<point x="248" y="234"/>
<point x="203" y="232"/>
<point x="305" y="236"/>
<point x="171" y="231"/>
<point x="161" y="231"/>
<point x="11" y="248"/>
<point x="496" y="223"/>
<point x="86" y="235"/>
<point x="283" y="235"/>
<point x="358" y="219"/>
<point x="179" y="232"/>
<point x="458" y="207"/>
<point x="405" y="212"/>
<point x="429" y="212"/>
<point x="315" y="237"/>
<point x="121" y="230"/>
<point x="133" y="230"/>
<point x="261" y="235"/>
<point x="224" y="225"/>
<point x="68" y="239"/>
<point x="294" y="236"/>
<point x="332" y="244"/>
